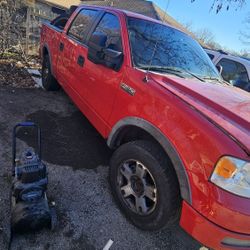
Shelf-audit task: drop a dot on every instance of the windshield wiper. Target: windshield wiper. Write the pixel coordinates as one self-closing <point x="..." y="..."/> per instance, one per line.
<point x="216" y="79"/>
<point x="172" y="70"/>
<point x="162" y="69"/>
<point x="194" y="75"/>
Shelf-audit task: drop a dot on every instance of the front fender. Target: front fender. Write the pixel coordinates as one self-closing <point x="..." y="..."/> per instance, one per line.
<point x="163" y="141"/>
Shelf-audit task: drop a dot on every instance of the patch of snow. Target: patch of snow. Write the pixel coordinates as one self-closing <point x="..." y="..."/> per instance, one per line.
<point x="36" y="76"/>
<point x="108" y="245"/>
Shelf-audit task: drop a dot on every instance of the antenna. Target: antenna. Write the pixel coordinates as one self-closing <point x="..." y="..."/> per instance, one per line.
<point x="155" y="47"/>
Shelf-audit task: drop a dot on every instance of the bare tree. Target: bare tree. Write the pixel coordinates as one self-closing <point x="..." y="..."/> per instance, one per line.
<point x="10" y="30"/>
<point x="245" y="34"/>
<point x="218" y="5"/>
<point x="188" y="25"/>
<point x="204" y="35"/>
<point x="207" y="38"/>
<point x="214" y="45"/>
<point x="245" y="53"/>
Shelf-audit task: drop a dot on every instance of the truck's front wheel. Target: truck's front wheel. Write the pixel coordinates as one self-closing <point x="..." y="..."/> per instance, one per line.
<point x="48" y="80"/>
<point x="145" y="185"/>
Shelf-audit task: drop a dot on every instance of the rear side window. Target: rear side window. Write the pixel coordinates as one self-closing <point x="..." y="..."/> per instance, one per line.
<point x="110" y="26"/>
<point x="81" y="24"/>
<point x="233" y="71"/>
<point x="60" y="22"/>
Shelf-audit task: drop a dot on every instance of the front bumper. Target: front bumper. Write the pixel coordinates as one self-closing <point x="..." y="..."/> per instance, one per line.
<point x="210" y="234"/>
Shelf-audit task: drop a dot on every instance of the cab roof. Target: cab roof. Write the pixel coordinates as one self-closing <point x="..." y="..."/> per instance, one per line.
<point x="129" y="14"/>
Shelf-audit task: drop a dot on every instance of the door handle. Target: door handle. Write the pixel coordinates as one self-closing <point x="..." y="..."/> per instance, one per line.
<point x="61" y="46"/>
<point x="80" y="60"/>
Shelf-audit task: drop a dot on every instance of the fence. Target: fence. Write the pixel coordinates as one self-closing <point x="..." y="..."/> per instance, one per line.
<point x="37" y="11"/>
<point x="20" y="23"/>
<point x="35" y="15"/>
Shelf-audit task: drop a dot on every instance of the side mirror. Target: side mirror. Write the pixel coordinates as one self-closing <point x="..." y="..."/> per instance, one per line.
<point x="219" y="68"/>
<point x="113" y="59"/>
<point x="99" y="54"/>
<point x="96" y="45"/>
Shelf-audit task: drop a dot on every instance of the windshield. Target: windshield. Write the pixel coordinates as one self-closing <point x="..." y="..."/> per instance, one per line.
<point x="158" y="47"/>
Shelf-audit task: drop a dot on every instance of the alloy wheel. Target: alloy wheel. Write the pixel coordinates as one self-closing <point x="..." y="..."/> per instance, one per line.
<point x="137" y="187"/>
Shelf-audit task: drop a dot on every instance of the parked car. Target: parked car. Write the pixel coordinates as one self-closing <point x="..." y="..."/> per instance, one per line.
<point x="235" y="70"/>
<point x="181" y="135"/>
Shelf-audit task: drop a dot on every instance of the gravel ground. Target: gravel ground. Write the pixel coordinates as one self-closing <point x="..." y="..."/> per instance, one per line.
<point x="77" y="159"/>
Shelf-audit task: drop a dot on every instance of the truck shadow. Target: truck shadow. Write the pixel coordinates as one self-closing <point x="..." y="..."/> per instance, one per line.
<point x="67" y="141"/>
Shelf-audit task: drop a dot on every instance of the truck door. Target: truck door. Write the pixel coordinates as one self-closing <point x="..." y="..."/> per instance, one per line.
<point x="72" y="49"/>
<point x="101" y="83"/>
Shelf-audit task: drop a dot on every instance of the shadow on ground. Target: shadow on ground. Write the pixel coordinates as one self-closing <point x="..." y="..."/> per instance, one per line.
<point x="76" y="157"/>
<point x="68" y="141"/>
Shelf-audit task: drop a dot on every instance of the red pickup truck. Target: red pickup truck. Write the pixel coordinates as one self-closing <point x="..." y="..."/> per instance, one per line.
<point x="181" y="134"/>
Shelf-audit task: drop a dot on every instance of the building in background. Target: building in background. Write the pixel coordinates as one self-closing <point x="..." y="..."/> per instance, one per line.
<point x="38" y="11"/>
<point x="147" y="8"/>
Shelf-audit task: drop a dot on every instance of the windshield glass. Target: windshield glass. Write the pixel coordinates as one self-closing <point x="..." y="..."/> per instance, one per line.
<point x="159" y="47"/>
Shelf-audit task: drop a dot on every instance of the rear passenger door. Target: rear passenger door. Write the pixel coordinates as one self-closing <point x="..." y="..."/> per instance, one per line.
<point x="73" y="49"/>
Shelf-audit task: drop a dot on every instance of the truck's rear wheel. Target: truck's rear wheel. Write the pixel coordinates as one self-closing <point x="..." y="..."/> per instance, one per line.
<point x="48" y="80"/>
<point x="145" y="185"/>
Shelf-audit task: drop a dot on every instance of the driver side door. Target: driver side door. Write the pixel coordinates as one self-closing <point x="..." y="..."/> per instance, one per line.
<point x="101" y="82"/>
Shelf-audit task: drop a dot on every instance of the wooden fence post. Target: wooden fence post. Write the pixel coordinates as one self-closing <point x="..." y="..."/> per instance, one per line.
<point x="27" y="31"/>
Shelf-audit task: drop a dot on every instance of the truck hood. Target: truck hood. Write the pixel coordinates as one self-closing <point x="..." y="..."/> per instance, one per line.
<point x="226" y="106"/>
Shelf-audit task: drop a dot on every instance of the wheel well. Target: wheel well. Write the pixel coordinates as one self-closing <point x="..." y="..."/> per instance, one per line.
<point x="131" y="132"/>
<point x="45" y="51"/>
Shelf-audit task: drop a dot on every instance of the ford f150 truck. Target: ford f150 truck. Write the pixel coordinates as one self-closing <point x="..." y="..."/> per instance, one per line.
<point x="181" y="134"/>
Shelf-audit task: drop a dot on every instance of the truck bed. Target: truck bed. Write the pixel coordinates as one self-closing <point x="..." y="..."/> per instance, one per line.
<point x="50" y="39"/>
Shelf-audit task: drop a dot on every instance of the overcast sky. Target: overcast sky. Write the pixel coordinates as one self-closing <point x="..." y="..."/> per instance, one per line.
<point x="225" y="25"/>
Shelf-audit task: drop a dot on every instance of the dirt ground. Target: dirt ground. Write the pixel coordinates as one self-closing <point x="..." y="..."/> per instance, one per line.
<point x="13" y="73"/>
<point x="77" y="159"/>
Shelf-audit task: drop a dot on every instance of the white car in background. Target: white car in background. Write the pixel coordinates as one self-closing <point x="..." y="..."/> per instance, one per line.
<point x="235" y="70"/>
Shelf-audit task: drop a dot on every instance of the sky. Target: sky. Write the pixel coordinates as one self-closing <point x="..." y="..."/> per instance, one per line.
<point x="225" y="25"/>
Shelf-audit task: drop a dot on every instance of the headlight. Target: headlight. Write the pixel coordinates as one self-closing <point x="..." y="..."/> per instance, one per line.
<point x="233" y="175"/>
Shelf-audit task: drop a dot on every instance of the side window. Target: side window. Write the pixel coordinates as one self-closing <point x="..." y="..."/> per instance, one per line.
<point x="233" y="71"/>
<point x="242" y="72"/>
<point x="211" y="56"/>
<point x="81" y="24"/>
<point x="110" y="26"/>
<point x="60" y="22"/>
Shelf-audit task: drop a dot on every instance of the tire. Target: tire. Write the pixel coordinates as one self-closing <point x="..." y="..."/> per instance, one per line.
<point x="48" y="80"/>
<point x="158" y="181"/>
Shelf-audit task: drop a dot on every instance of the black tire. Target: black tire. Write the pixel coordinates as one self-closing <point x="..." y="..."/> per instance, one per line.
<point x="167" y="206"/>
<point x="48" y="80"/>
